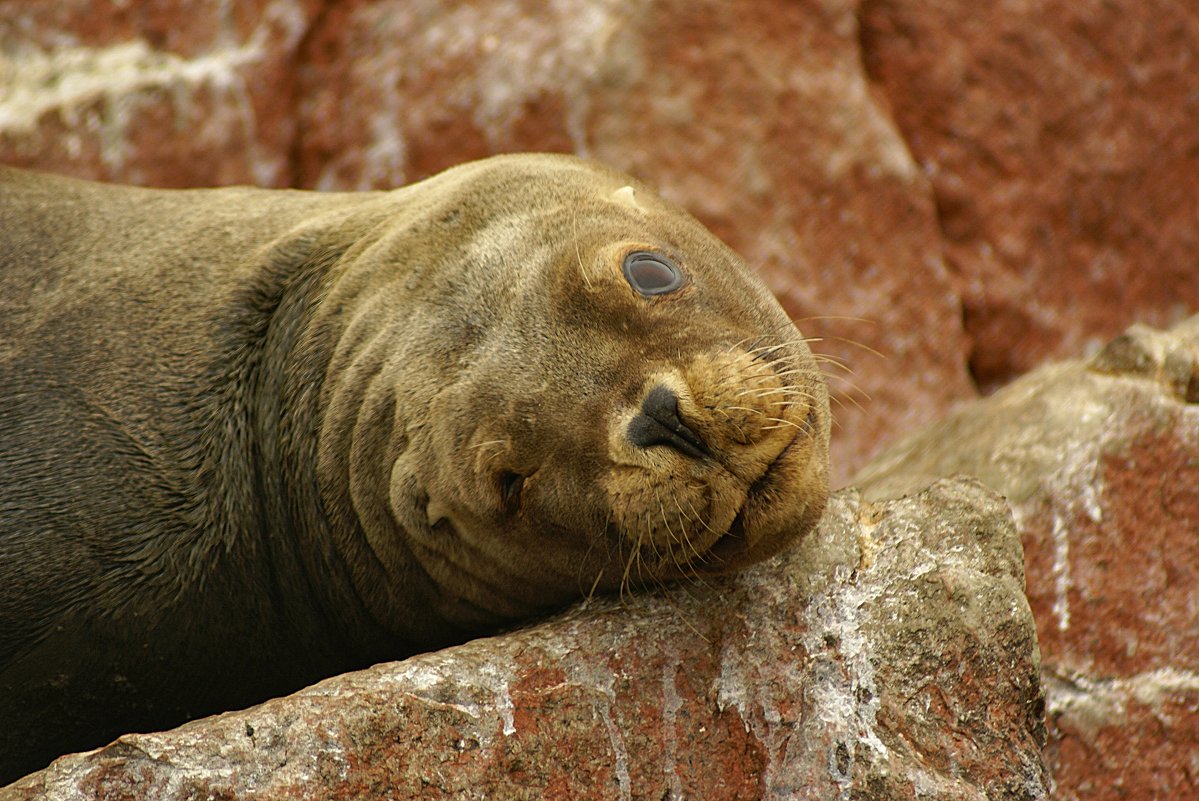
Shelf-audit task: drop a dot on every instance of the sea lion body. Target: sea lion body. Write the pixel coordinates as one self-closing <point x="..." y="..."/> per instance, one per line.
<point x="252" y="438"/>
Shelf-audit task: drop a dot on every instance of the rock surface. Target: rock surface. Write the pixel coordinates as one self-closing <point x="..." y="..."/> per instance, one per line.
<point x="890" y="655"/>
<point x="1100" y="461"/>
<point x="164" y="93"/>
<point x="1061" y="138"/>
<point x="985" y="188"/>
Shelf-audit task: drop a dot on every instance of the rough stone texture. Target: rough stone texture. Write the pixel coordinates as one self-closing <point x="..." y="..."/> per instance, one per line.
<point x="1061" y="138"/>
<point x="891" y="655"/>
<point x="164" y="93"/>
<point x="1100" y="461"/>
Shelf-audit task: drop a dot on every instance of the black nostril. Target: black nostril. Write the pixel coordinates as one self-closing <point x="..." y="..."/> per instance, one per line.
<point x="658" y="423"/>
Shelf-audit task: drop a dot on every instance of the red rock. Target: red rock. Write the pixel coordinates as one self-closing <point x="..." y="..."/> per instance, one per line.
<point x="890" y="655"/>
<point x="1100" y="462"/>
<point x="166" y="93"/>
<point x="1062" y="142"/>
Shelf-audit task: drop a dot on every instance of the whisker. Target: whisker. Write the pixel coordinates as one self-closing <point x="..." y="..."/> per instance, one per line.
<point x="574" y="233"/>
<point x="686" y="621"/>
<point x="696" y="516"/>
<point x="856" y="344"/>
<point x="595" y="584"/>
<point x="687" y="544"/>
<point x="833" y="362"/>
<point x="739" y="343"/>
<point x="744" y="409"/>
<point x="849" y="386"/>
<point x="841" y="399"/>
<point x="838" y="318"/>
<point x="662" y="511"/>
<point x="603" y="564"/>
<point x="758" y="393"/>
<point x="794" y="370"/>
<point x="634" y="554"/>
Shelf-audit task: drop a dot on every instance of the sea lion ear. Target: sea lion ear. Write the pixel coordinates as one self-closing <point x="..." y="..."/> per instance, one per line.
<point x="651" y="274"/>
<point x="628" y="196"/>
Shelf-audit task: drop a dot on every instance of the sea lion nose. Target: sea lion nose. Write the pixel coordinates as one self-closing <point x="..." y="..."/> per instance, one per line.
<point x="658" y="423"/>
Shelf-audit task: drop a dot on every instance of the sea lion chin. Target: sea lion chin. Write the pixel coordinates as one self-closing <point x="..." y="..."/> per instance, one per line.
<point x="251" y="438"/>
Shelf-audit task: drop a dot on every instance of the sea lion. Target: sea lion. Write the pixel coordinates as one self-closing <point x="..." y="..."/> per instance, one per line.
<point x="252" y="438"/>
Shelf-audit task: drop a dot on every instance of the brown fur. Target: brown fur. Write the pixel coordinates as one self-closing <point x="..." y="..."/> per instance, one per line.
<point x="251" y="438"/>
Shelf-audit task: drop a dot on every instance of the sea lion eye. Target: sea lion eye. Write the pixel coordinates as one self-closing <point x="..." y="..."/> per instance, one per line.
<point x="651" y="273"/>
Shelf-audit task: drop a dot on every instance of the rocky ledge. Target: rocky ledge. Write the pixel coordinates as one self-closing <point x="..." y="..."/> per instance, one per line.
<point x="1100" y="462"/>
<point x="891" y="655"/>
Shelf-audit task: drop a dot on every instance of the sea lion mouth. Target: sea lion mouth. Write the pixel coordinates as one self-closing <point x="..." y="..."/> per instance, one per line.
<point x="730" y="547"/>
<point x="729" y="551"/>
<point x="762" y="482"/>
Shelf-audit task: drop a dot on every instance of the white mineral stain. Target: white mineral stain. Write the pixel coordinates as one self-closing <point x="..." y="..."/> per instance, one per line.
<point x="838" y="687"/>
<point x="425" y="678"/>
<point x="844" y="693"/>
<point x="1090" y="503"/>
<point x="731" y="686"/>
<point x="1061" y="572"/>
<point x="671" y="703"/>
<point x="1157" y="686"/>
<point x="121" y="78"/>
<point x="545" y="54"/>
<point x="490" y="62"/>
<point x="1104" y="702"/>
<point x="1075" y="473"/>
<point x="498" y="682"/>
<point x="598" y="678"/>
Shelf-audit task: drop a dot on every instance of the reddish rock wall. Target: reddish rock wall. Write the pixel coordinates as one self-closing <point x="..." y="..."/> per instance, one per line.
<point x="1061" y="140"/>
<point x="1100" y="462"/>
<point x="172" y="93"/>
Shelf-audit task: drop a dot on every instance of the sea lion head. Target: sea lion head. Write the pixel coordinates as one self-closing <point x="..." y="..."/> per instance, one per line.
<point x="572" y="384"/>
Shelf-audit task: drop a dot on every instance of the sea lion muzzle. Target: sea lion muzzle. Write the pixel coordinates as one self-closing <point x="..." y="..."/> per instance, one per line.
<point x="710" y="467"/>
